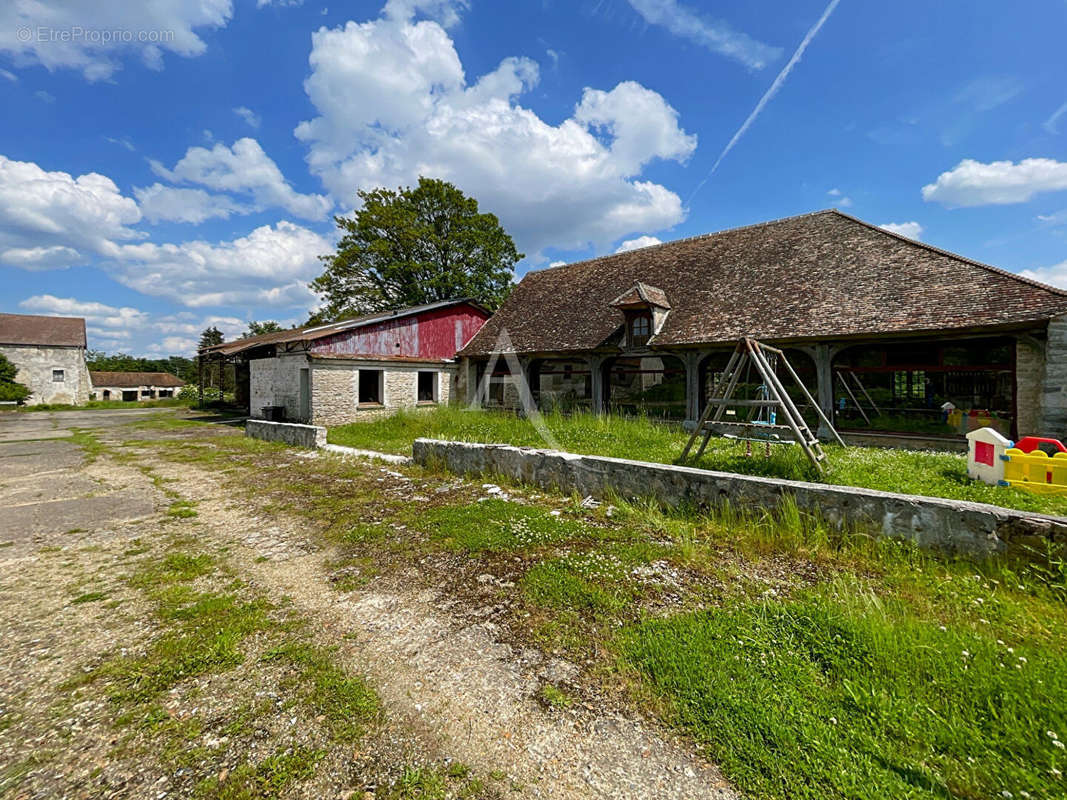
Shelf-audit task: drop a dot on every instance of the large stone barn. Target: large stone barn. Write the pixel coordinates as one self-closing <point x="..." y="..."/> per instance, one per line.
<point x="344" y="371"/>
<point x="894" y="336"/>
<point x="50" y="355"/>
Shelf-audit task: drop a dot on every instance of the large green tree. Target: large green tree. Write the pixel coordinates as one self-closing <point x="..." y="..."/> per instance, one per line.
<point x="9" y="389"/>
<point x="257" y="328"/>
<point x="413" y="246"/>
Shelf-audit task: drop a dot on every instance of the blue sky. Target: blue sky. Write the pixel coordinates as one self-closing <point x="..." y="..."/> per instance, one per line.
<point x="166" y="165"/>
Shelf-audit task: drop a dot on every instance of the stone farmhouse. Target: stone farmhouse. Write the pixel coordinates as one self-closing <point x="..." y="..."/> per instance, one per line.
<point x="895" y="335"/>
<point x="133" y="387"/>
<point x="50" y="355"/>
<point x="343" y="371"/>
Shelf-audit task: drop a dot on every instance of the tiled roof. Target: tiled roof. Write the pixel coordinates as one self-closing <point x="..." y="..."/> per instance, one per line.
<point x="640" y="294"/>
<point x="44" y="331"/>
<point x="131" y="380"/>
<point x="311" y="332"/>
<point x="820" y="275"/>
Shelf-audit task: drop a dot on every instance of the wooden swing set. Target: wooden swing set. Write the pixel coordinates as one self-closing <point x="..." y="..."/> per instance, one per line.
<point x="770" y="418"/>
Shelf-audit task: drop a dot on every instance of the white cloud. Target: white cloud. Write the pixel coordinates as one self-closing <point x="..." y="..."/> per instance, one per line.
<point x="1056" y="275"/>
<point x="271" y="266"/>
<point x="639" y="242"/>
<point x="9" y="75"/>
<point x="248" y="115"/>
<point x="393" y="103"/>
<point x="840" y="199"/>
<point x="132" y="330"/>
<point x="912" y="230"/>
<point x="44" y="97"/>
<point x="159" y="203"/>
<point x="986" y="93"/>
<point x="972" y="183"/>
<point x="121" y="142"/>
<point x="715" y="35"/>
<point x="62" y="34"/>
<point x="1056" y="218"/>
<point x="98" y="314"/>
<point x="244" y="169"/>
<point x="51" y="219"/>
<point x="1051" y="124"/>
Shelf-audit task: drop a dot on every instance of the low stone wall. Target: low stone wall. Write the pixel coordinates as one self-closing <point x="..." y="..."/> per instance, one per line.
<point x="951" y="525"/>
<point x="288" y="432"/>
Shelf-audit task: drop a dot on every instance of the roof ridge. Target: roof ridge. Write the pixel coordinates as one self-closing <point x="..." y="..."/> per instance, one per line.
<point x="688" y="239"/>
<point x="950" y="254"/>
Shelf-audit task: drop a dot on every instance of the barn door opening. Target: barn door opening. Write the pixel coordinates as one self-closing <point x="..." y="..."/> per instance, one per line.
<point x="305" y="395"/>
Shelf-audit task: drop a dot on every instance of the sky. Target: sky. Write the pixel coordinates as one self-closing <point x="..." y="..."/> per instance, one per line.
<point x="167" y="165"/>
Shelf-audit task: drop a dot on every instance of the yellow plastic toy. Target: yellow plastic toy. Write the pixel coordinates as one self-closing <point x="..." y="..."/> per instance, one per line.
<point x="1035" y="472"/>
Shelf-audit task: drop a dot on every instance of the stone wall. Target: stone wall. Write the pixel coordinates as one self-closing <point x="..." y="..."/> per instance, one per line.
<point x="1029" y="385"/>
<point x="35" y="366"/>
<point x="276" y="382"/>
<point x="933" y="522"/>
<point x="335" y="389"/>
<point x="287" y="432"/>
<point x="1054" y="397"/>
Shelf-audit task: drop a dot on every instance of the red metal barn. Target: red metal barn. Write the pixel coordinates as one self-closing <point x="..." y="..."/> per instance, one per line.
<point x="344" y="371"/>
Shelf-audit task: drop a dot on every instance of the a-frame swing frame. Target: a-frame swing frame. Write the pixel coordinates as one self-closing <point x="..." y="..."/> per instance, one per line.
<point x="777" y="403"/>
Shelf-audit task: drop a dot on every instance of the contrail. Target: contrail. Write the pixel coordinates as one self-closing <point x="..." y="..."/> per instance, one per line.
<point x="770" y="93"/>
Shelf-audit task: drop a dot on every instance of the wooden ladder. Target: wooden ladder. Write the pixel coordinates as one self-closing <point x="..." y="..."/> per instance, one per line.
<point x="777" y="400"/>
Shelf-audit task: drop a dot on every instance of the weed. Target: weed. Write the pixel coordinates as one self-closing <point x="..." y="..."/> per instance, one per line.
<point x="182" y="509"/>
<point x="554" y="697"/>
<point x="89" y="597"/>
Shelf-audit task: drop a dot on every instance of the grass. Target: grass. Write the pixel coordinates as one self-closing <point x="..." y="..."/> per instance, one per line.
<point x="167" y="402"/>
<point x="848" y="696"/>
<point x="808" y="662"/>
<point x="908" y="471"/>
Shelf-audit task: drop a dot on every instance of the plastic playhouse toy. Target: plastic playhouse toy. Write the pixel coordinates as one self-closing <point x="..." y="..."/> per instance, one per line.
<point x="1035" y="464"/>
<point x="986" y="449"/>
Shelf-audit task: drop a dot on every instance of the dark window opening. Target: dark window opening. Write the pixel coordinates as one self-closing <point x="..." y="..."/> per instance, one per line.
<point x="562" y="385"/>
<point x="640" y="330"/>
<point x="370" y="386"/>
<point x="166" y="393"/>
<point x="427" y="387"/>
<point x="653" y="386"/>
<point x="58" y="376"/>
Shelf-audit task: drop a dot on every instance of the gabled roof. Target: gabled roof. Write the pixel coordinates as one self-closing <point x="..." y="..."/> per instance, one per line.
<point x="819" y="275"/>
<point x="44" y="331"/>
<point x="641" y="294"/>
<point x="309" y="333"/>
<point x="132" y="380"/>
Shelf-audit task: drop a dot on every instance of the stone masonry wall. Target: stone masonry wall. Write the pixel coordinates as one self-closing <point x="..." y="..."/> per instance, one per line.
<point x="1029" y="385"/>
<point x="931" y="522"/>
<point x="1054" y="398"/>
<point x="276" y="382"/>
<point x="335" y="389"/>
<point x="287" y="432"/>
<point x="35" y="365"/>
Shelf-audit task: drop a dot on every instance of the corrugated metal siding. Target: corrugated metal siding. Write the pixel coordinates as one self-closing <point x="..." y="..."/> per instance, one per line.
<point x="435" y="334"/>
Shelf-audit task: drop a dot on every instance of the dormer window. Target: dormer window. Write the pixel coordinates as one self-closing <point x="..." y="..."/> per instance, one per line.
<point x="644" y="309"/>
<point x="640" y="330"/>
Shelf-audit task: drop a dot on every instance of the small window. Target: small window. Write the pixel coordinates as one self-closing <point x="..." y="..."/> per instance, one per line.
<point x="427" y="387"/>
<point x="640" y="330"/>
<point x="58" y="376"/>
<point x="370" y="387"/>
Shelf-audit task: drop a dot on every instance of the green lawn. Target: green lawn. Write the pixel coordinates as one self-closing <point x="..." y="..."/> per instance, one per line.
<point x="908" y="471"/>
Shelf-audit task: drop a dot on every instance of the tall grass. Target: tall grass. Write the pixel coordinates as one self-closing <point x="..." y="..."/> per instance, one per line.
<point x="908" y="471"/>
